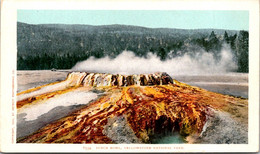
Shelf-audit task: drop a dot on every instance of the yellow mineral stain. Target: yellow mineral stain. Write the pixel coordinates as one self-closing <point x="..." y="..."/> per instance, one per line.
<point x="142" y="106"/>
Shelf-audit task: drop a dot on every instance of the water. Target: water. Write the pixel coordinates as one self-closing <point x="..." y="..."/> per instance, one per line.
<point x="174" y="138"/>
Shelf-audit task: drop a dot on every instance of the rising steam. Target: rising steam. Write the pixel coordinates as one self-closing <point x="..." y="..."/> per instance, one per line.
<point x="201" y="62"/>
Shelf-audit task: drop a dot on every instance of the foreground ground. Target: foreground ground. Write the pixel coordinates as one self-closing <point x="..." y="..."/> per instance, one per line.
<point x="132" y="114"/>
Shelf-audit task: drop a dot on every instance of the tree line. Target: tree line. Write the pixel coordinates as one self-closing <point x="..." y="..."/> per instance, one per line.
<point x="62" y="46"/>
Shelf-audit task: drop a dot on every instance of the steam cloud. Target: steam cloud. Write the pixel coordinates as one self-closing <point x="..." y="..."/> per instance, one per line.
<point x="201" y="62"/>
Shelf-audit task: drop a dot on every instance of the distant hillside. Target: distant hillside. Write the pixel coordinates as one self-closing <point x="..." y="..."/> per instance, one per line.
<point x="62" y="46"/>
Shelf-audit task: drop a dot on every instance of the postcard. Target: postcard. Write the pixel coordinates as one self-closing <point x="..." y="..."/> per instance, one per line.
<point x="129" y="76"/>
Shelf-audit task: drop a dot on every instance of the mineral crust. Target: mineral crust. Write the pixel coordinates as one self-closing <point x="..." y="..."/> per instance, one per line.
<point x="131" y="109"/>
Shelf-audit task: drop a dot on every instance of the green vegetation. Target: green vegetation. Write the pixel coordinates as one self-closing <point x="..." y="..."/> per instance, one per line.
<point x="62" y="46"/>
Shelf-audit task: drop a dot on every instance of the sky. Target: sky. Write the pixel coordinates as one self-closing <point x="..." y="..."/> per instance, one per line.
<point x="231" y="20"/>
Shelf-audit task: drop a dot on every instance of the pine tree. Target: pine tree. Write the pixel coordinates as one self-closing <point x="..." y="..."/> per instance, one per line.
<point x="242" y="51"/>
<point x="226" y="38"/>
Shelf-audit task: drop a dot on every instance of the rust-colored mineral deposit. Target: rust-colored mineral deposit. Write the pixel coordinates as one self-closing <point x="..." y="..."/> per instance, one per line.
<point x="131" y="109"/>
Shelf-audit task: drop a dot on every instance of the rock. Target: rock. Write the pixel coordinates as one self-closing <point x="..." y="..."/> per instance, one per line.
<point x="119" y="131"/>
<point x="102" y="79"/>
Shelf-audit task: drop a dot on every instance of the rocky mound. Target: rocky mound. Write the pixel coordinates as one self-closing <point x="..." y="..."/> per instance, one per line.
<point x="136" y="109"/>
<point x="98" y="79"/>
